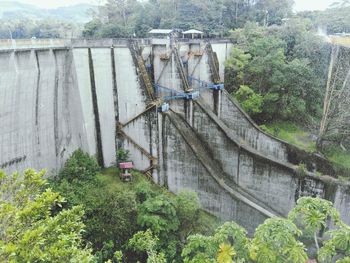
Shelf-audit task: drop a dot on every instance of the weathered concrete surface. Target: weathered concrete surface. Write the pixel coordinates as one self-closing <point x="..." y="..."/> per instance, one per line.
<point x="83" y="86"/>
<point x="185" y="165"/>
<point x="102" y="62"/>
<point x="235" y="119"/>
<point x="244" y="127"/>
<point x="89" y="94"/>
<point x="38" y="129"/>
<point x="271" y="182"/>
<point x="222" y="51"/>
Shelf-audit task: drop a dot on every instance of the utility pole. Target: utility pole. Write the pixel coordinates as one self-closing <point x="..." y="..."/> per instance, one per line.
<point x="8" y="28"/>
<point x="266" y="22"/>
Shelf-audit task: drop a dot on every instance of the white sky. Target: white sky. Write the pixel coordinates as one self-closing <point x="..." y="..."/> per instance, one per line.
<point x="54" y="3"/>
<point x="300" y="5"/>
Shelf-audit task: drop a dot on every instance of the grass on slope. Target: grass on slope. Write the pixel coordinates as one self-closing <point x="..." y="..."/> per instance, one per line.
<point x="110" y="177"/>
<point x="339" y="157"/>
<point x="292" y="134"/>
<point x="296" y="135"/>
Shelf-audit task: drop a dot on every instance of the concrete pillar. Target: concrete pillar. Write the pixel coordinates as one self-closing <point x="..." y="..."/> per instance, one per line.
<point x="217" y="102"/>
<point x="189" y="111"/>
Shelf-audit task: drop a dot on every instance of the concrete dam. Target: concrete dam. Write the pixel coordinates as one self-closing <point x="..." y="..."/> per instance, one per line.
<point x="163" y="101"/>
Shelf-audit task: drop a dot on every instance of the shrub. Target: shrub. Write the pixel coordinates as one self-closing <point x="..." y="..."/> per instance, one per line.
<point x="301" y="170"/>
<point x="143" y="191"/>
<point x="79" y="166"/>
<point x="123" y="155"/>
<point x="251" y="102"/>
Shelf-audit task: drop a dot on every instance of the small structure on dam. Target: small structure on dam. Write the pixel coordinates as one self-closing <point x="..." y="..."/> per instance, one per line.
<point x="165" y="102"/>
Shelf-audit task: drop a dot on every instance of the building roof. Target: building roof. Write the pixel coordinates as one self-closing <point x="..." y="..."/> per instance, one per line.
<point x="161" y="31"/>
<point x="192" y="31"/>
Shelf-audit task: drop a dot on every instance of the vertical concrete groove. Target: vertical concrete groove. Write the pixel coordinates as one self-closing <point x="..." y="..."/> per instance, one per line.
<point x="216" y="101"/>
<point x="55" y="103"/>
<point x="115" y="97"/>
<point x="164" y="152"/>
<point x="37" y="94"/>
<point x="238" y="164"/>
<point x="96" y="112"/>
<point x="150" y="126"/>
<point x="37" y="88"/>
<point x="158" y="147"/>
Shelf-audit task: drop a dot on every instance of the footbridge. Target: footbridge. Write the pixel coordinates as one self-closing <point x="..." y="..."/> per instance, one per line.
<point x="166" y="103"/>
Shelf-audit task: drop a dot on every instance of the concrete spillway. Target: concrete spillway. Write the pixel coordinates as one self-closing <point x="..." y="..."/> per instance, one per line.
<point x="58" y="96"/>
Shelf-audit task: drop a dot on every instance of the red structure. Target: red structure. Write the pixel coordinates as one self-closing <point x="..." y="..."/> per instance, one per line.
<point x="125" y="175"/>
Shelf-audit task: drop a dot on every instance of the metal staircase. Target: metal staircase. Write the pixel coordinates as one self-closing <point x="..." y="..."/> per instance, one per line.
<point x="136" y="54"/>
<point x="181" y="71"/>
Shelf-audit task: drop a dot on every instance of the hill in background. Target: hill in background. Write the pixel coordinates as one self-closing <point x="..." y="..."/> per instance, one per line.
<point x="15" y="10"/>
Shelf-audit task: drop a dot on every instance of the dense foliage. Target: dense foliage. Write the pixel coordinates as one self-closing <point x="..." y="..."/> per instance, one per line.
<point x="138" y="221"/>
<point x="333" y="20"/>
<point x="277" y="240"/>
<point x="115" y="211"/>
<point x="47" y="28"/>
<point x="130" y="18"/>
<point x="278" y="73"/>
<point x="34" y="227"/>
<point x="123" y="18"/>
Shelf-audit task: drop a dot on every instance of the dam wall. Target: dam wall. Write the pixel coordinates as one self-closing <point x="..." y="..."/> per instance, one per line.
<point x="98" y="95"/>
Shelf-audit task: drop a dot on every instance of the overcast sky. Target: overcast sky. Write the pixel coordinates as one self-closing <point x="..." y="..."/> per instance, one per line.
<point x="300" y="5"/>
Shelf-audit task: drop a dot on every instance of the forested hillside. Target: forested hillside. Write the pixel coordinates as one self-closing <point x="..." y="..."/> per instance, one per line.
<point x="17" y="10"/>
<point x="19" y="20"/>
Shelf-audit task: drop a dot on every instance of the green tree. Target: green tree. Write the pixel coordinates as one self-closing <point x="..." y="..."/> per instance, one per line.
<point x="79" y="166"/>
<point x="282" y="65"/>
<point x="159" y="215"/>
<point x="316" y="214"/>
<point x="108" y="214"/>
<point x="145" y="241"/>
<point x="225" y="253"/>
<point x="313" y="214"/>
<point x="228" y="238"/>
<point x="235" y="68"/>
<point x="276" y="241"/>
<point x="92" y="28"/>
<point x="34" y="227"/>
<point x="199" y="248"/>
<point x="338" y="245"/>
<point x="269" y="12"/>
<point x="251" y="102"/>
<point x="187" y="210"/>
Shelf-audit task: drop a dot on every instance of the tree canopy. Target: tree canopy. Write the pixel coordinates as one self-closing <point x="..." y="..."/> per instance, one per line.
<point x="34" y="227"/>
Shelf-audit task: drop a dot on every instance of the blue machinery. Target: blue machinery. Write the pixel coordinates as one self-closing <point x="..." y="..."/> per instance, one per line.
<point x="205" y="85"/>
<point x="173" y="94"/>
